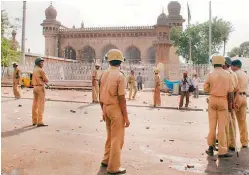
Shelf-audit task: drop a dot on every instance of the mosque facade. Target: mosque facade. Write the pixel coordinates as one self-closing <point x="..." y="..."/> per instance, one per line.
<point x="140" y="44"/>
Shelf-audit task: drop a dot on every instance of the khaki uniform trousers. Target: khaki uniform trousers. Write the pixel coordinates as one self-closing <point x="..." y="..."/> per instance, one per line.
<point x="132" y="87"/>
<point x="15" y="88"/>
<point x="38" y="104"/>
<point x="241" y="118"/>
<point x="157" y="97"/>
<point x="115" y="127"/>
<point x="95" y="92"/>
<point x="217" y="114"/>
<point x="231" y="130"/>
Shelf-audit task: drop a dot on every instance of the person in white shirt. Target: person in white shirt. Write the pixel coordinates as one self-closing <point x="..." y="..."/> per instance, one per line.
<point x="196" y="83"/>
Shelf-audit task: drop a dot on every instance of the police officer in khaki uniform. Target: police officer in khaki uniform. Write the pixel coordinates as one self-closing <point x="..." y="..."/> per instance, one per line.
<point x="231" y="123"/>
<point x="219" y="86"/>
<point x="157" y="96"/>
<point x="39" y="80"/>
<point x="240" y="101"/>
<point x="132" y="85"/>
<point x="95" y="83"/>
<point x="16" y="79"/>
<point x="113" y="104"/>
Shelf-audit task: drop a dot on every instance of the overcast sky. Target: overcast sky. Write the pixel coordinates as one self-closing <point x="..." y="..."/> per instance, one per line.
<point x="125" y="12"/>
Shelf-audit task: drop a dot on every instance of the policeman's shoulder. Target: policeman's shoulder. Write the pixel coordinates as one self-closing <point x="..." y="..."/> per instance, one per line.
<point x="122" y="73"/>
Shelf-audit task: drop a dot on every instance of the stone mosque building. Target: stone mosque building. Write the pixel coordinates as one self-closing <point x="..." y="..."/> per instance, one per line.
<point x="140" y="44"/>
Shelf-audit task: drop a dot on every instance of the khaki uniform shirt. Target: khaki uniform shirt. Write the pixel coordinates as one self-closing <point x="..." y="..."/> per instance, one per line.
<point x="218" y="83"/>
<point x="234" y="80"/>
<point x="112" y="85"/>
<point x="16" y="74"/>
<point x="132" y="79"/>
<point x="39" y="77"/>
<point x="96" y="74"/>
<point x="242" y="81"/>
<point x="157" y="81"/>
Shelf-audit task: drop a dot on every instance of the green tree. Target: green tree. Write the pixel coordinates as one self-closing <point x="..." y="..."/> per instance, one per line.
<point x="198" y="34"/>
<point x="8" y="53"/>
<point x="234" y="52"/>
<point x="244" y="47"/>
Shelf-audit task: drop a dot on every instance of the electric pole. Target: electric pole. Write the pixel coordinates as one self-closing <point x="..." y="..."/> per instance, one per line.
<point x="23" y="31"/>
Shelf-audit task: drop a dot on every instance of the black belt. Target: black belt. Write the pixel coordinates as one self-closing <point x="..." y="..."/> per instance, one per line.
<point x="242" y="93"/>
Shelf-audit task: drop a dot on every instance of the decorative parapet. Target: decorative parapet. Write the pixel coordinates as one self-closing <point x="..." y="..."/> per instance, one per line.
<point x="63" y="29"/>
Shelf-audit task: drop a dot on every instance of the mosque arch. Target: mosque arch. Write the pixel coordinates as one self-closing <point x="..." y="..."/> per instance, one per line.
<point x="107" y="47"/>
<point x="70" y="53"/>
<point x="88" y="54"/>
<point x="132" y="54"/>
<point x="151" y="55"/>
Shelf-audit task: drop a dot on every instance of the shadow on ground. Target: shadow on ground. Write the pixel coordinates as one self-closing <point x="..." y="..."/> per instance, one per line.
<point x="235" y="165"/>
<point x="17" y="131"/>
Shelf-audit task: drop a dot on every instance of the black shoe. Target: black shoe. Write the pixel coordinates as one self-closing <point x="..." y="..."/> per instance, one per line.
<point x="227" y="155"/>
<point x="231" y="149"/>
<point x="210" y="151"/>
<point x="34" y="124"/>
<point x="120" y="171"/>
<point x="104" y="165"/>
<point x="215" y="148"/>
<point x="244" y="146"/>
<point x="41" y="125"/>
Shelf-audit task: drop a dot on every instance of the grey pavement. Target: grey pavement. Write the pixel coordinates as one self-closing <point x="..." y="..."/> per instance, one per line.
<point x="159" y="141"/>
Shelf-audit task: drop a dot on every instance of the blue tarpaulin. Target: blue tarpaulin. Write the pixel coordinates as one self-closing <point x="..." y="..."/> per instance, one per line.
<point x="170" y="84"/>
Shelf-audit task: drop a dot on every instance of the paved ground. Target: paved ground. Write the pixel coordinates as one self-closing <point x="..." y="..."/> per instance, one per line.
<point x="159" y="141"/>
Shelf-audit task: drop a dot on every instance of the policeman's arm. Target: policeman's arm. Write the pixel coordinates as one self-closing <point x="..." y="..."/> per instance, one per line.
<point x="230" y="94"/>
<point x="19" y="73"/>
<point x="207" y="85"/>
<point x="121" y="96"/>
<point x="44" y="77"/>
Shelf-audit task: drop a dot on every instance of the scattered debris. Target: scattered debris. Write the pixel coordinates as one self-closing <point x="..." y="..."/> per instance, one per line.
<point x="190" y="166"/>
<point x="72" y="129"/>
<point x="171" y="140"/>
<point x="164" y="140"/>
<point x="101" y="120"/>
<point x="147" y="127"/>
<point x="57" y="130"/>
<point x="237" y="163"/>
<point x="80" y="126"/>
<point x="188" y="122"/>
<point x="19" y="105"/>
<point x="40" y="151"/>
<point x="145" y="102"/>
<point x="85" y="112"/>
<point x="161" y="160"/>
<point x="130" y="149"/>
<point x="148" y="146"/>
<point x="72" y="111"/>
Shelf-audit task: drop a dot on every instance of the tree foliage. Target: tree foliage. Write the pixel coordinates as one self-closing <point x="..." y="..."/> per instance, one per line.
<point x="9" y="53"/>
<point x="242" y="50"/>
<point x="244" y="47"/>
<point x="198" y="34"/>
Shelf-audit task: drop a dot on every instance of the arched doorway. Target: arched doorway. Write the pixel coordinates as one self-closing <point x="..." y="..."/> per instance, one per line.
<point x="151" y="54"/>
<point x="132" y="55"/>
<point x="106" y="48"/>
<point x="69" y="53"/>
<point x="88" y="54"/>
